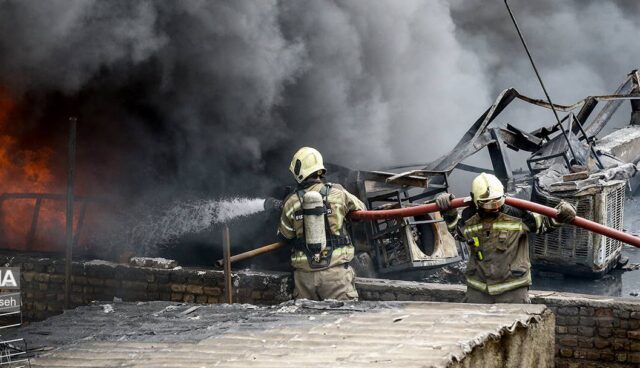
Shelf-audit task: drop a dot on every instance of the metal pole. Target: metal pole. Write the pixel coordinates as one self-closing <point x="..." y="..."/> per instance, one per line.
<point x="586" y="138"/>
<point x="544" y="89"/>
<point x="69" y="220"/>
<point x="226" y="250"/>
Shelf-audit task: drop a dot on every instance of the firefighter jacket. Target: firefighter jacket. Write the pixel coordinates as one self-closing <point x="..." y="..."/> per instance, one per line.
<point x="498" y="246"/>
<point x="339" y="203"/>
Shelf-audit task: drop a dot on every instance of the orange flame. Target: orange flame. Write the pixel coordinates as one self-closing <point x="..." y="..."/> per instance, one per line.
<point x="26" y="171"/>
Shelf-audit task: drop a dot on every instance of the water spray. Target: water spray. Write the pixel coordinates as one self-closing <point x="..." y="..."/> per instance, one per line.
<point x="191" y="217"/>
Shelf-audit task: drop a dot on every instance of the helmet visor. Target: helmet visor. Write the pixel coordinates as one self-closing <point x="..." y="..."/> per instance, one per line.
<point x="491" y="204"/>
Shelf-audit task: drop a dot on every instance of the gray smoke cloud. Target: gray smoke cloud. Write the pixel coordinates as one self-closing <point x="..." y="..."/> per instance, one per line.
<point x="386" y="79"/>
<point x="61" y="44"/>
<point x="215" y="96"/>
<point x="581" y="47"/>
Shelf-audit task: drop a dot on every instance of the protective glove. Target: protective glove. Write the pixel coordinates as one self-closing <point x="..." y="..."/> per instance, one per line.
<point x="566" y="213"/>
<point x="272" y="204"/>
<point x="443" y="200"/>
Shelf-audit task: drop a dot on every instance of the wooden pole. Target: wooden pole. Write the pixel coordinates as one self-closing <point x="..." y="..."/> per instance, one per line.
<point x="226" y="253"/>
<point x="34" y="224"/>
<point x="69" y="218"/>
<point x="252" y="253"/>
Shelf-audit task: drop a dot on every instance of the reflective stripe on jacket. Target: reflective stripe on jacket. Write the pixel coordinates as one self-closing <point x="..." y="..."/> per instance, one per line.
<point x="499" y="288"/>
<point x="499" y="247"/>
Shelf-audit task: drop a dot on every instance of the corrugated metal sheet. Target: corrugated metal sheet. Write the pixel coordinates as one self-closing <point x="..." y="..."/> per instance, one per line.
<point x="391" y="334"/>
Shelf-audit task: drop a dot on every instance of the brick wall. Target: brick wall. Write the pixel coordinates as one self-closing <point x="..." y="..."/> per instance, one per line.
<point x="590" y="331"/>
<point x="43" y="285"/>
<point x="386" y="290"/>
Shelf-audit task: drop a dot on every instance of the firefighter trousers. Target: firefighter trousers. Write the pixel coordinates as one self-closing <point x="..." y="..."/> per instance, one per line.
<point x="337" y="282"/>
<point x="516" y="296"/>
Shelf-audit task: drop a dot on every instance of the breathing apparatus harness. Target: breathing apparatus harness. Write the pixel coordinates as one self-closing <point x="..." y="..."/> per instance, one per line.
<point x="318" y="242"/>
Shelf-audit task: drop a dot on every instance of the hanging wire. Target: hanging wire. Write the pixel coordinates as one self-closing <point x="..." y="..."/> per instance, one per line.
<point x="535" y="69"/>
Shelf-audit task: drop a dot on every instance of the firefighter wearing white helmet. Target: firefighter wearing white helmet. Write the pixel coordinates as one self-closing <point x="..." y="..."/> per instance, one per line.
<point x="498" y="270"/>
<point x="487" y="192"/>
<point x="313" y="221"/>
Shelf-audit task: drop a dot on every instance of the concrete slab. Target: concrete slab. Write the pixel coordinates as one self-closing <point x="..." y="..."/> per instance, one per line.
<point x="623" y="143"/>
<point x="301" y="334"/>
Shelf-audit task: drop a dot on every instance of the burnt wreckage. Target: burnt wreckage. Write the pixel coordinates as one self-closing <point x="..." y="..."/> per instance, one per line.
<point x="566" y="162"/>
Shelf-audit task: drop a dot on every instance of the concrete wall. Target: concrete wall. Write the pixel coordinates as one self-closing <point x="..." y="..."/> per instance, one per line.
<point x="590" y="331"/>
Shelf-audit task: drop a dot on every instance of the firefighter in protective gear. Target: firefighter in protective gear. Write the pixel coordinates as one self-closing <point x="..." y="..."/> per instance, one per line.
<point x="313" y="221"/>
<point x="498" y="270"/>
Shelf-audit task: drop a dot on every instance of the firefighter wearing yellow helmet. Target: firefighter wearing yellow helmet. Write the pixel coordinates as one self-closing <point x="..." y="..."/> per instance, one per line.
<point x="313" y="221"/>
<point x="498" y="270"/>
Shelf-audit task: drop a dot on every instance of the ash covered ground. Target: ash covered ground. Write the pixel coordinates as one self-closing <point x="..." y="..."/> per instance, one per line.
<point x="632" y="215"/>
<point x="161" y="321"/>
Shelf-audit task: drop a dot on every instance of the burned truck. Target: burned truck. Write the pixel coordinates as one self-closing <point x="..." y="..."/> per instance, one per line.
<point x="567" y="161"/>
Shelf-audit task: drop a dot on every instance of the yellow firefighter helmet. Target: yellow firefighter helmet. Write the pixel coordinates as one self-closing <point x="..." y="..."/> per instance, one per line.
<point x="305" y="162"/>
<point x="487" y="192"/>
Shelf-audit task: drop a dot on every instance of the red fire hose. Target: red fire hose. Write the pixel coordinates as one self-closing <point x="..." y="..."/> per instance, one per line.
<point x="515" y="202"/>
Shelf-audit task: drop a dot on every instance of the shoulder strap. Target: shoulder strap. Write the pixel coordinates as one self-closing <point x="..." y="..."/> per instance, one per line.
<point x="300" y="194"/>
<point x="325" y="190"/>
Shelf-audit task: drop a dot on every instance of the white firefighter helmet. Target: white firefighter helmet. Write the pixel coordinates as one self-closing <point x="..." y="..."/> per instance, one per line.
<point x="487" y="192"/>
<point x="305" y="162"/>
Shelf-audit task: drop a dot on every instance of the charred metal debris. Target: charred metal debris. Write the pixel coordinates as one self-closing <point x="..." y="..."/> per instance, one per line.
<point x="566" y="161"/>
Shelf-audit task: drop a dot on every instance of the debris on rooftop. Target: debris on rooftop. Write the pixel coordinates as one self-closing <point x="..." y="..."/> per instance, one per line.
<point x="340" y="334"/>
<point x="153" y="262"/>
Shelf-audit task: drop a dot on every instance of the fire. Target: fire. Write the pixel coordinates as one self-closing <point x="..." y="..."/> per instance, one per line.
<point x="6" y="106"/>
<point x="24" y="170"/>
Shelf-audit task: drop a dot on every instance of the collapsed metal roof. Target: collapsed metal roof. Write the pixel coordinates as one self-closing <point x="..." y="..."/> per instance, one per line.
<point x="574" y="146"/>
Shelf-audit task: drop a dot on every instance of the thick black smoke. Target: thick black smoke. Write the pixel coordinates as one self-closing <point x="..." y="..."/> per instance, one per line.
<point x="211" y="98"/>
<point x="214" y="96"/>
<point x="178" y="95"/>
